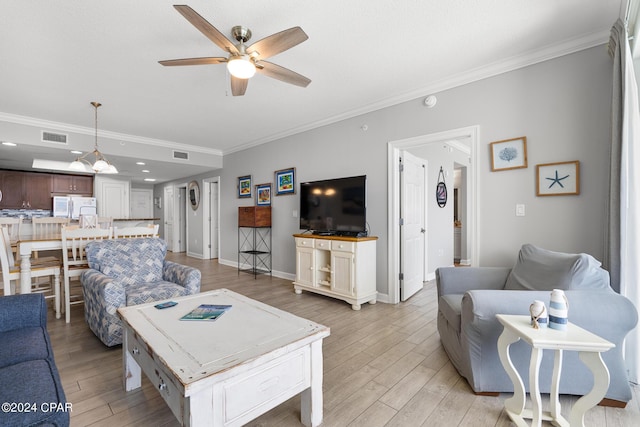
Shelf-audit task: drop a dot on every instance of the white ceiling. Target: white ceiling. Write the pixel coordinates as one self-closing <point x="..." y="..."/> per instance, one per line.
<point x="361" y="55"/>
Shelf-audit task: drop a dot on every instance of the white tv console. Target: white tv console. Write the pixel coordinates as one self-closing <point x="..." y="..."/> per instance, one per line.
<point x="339" y="267"/>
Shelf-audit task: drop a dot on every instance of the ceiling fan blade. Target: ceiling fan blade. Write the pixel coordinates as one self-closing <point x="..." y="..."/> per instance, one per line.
<point x="238" y="86"/>
<point x="278" y="42"/>
<point x="274" y="71"/>
<point x="206" y="28"/>
<point x="193" y="61"/>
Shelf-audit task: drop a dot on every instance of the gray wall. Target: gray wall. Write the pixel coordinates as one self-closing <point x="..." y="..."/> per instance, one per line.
<point x="561" y="106"/>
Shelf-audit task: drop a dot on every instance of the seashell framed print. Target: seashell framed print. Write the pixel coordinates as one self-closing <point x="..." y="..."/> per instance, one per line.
<point x="508" y="154"/>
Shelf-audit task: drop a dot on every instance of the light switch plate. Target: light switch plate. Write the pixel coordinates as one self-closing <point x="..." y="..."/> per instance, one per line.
<point x="520" y="210"/>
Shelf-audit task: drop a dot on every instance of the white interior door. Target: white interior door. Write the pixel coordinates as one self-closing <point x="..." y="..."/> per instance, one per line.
<point x="412" y="232"/>
<point x="168" y="217"/>
<point x="213" y="218"/>
<point x="182" y="219"/>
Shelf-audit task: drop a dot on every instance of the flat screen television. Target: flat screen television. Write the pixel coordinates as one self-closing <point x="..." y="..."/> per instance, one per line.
<point x="334" y="206"/>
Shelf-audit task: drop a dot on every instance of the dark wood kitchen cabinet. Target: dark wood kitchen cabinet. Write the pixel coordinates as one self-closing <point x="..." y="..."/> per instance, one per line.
<point x="73" y="184"/>
<point x="11" y="187"/>
<point x="28" y="190"/>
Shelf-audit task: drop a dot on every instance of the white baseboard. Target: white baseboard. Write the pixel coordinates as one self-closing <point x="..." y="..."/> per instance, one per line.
<point x="274" y="273"/>
<point x="195" y="255"/>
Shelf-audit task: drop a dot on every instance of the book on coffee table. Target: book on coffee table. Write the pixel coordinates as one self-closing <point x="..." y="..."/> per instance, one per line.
<point x="206" y="312"/>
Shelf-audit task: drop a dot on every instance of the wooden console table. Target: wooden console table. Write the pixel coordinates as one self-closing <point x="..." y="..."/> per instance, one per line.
<point x="339" y="267"/>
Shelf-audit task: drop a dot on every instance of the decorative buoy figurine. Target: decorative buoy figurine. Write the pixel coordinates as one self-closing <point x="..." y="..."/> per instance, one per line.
<point x="558" y="310"/>
<point x="538" y="313"/>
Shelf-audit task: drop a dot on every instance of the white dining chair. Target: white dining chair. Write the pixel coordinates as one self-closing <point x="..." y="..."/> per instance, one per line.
<point x="150" y="230"/>
<point x="43" y="267"/>
<point x="14" y="227"/>
<point x="74" y="261"/>
<point x="47" y="225"/>
<point x="95" y="221"/>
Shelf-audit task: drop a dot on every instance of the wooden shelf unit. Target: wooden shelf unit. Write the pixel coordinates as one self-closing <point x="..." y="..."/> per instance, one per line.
<point x="254" y="240"/>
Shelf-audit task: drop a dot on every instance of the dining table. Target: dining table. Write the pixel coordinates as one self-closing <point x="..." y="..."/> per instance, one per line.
<point x="26" y="245"/>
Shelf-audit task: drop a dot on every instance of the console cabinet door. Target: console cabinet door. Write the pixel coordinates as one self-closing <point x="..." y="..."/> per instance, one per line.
<point x="342" y="264"/>
<point x="305" y="266"/>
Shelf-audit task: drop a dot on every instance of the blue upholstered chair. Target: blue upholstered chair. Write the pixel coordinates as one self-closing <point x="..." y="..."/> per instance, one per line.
<point x="469" y="299"/>
<point x="124" y="272"/>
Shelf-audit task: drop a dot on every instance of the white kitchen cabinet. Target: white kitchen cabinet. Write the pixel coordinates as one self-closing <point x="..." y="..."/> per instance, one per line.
<point x="339" y="267"/>
<point x="112" y="197"/>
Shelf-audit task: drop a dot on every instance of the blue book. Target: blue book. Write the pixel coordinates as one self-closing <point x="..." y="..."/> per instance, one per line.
<point x="206" y="312"/>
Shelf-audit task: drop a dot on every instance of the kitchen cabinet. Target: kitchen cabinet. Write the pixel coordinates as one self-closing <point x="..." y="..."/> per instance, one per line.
<point x="37" y="190"/>
<point x="73" y="184"/>
<point x="25" y="190"/>
<point x="11" y="187"/>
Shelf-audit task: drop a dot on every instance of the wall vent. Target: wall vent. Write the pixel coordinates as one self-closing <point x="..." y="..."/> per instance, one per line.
<point x="180" y="155"/>
<point x="55" y="138"/>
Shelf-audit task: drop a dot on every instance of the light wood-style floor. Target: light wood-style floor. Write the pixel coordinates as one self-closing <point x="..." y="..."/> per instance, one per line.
<point x="383" y="366"/>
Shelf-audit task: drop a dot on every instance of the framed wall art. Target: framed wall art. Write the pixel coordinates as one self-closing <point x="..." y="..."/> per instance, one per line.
<point x="263" y="194"/>
<point x="244" y="186"/>
<point x="285" y="181"/>
<point x="509" y="154"/>
<point x="558" y="179"/>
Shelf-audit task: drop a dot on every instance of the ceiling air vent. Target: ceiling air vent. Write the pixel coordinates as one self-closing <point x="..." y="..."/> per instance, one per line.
<point x="55" y="138"/>
<point x="180" y="155"/>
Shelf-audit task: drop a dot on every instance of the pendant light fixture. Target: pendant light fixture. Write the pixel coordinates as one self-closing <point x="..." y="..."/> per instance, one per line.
<point x="101" y="164"/>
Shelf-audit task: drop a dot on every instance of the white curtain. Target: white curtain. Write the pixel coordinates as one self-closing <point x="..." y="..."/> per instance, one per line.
<point x="623" y="249"/>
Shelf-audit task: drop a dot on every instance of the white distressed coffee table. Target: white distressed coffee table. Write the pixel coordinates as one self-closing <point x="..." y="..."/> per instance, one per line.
<point x="226" y="372"/>
<point x="574" y="338"/>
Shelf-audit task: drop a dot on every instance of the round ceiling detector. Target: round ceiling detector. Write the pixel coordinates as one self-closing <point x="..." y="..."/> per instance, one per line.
<point x="430" y="101"/>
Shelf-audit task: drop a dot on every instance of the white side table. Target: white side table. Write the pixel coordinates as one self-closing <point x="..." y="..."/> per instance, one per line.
<point x="573" y="338"/>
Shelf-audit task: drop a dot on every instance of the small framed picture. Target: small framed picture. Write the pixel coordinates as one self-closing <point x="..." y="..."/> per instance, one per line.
<point x="286" y="181"/>
<point x="244" y="186"/>
<point x="509" y="154"/>
<point x="263" y="194"/>
<point x="558" y="179"/>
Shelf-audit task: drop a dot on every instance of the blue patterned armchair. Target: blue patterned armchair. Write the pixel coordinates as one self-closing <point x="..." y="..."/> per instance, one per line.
<point x="127" y="272"/>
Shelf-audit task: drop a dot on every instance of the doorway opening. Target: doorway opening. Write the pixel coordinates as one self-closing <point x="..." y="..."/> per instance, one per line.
<point x="463" y="138"/>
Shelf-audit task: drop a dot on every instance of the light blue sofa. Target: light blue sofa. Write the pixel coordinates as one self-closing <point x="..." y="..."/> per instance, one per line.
<point x="126" y="272"/>
<point x="29" y="379"/>
<point x="469" y="298"/>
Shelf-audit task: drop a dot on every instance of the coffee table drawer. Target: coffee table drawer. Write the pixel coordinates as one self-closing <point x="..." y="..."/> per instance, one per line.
<point x="256" y="391"/>
<point x="160" y="379"/>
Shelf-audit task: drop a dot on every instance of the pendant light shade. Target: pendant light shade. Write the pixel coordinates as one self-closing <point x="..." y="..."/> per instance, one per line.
<point x="101" y="164"/>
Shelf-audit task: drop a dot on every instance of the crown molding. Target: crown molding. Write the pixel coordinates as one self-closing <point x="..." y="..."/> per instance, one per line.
<point x="499" y="67"/>
<point x="64" y="127"/>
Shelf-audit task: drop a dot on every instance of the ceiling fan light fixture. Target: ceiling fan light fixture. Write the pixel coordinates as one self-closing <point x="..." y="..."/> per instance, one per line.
<point x="241" y="67"/>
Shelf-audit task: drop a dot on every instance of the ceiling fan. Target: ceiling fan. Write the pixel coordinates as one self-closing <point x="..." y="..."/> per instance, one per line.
<point x="244" y="61"/>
